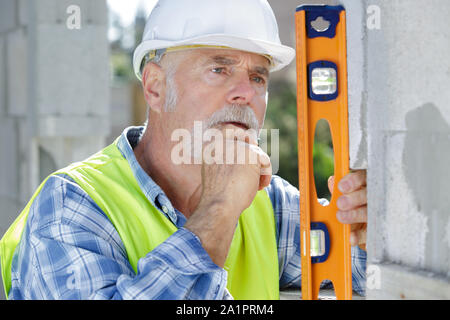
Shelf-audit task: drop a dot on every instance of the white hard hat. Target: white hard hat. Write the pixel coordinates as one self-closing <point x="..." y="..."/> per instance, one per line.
<point x="247" y="25"/>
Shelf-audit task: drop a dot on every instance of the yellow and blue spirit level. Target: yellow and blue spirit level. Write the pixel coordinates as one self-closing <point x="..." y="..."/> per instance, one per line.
<point x="322" y="94"/>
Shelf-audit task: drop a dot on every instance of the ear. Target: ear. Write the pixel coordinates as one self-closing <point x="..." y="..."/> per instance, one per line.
<point x="153" y="83"/>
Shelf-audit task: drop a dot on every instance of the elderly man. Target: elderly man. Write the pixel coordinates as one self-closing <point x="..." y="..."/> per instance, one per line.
<point x="131" y="223"/>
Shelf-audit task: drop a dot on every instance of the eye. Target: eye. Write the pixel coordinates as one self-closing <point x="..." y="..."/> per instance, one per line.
<point x="218" y="70"/>
<point x="258" y="80"/>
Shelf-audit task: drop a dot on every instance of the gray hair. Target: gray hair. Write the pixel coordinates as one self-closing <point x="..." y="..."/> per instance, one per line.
<point x="170" y="65"/>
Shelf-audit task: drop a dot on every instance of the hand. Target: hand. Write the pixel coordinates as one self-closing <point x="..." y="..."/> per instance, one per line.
<point x="234" y="182"/>
<point x="227" y="190"/>
<point x="352" y="205"/>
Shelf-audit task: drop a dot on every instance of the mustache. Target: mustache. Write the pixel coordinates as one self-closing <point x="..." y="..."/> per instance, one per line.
<point x="233" y="113"/>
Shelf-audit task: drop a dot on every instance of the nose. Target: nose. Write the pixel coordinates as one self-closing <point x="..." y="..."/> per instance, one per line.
<point x="241" y="90"/>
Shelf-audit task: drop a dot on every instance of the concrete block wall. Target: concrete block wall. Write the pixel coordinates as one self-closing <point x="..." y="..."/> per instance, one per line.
<point x="399" y="131"/>
<point x="54" y="93"/>
<point x="408" y="114"/>
<point x="11" y="39"/>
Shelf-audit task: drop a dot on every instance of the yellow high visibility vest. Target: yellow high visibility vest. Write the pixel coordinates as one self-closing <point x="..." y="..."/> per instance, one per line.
<point x="252" y="262"/>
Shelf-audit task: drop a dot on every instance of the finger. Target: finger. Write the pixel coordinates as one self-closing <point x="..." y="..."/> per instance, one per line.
<point x="358" y="237"/>
<point x="352" y="181"/>
<point x="358" y="215"/>
<point x="331" y="184"/>
<point x="266" y="171"/>
<point x="264" y="159"/>
<point x="256" y="156"/>
<point x="232" y="133"/>
<point x="265" y="166"/>
<point x="352" y="200"/>
<point x="264" y="181"/>
<point x="237" y="151"/>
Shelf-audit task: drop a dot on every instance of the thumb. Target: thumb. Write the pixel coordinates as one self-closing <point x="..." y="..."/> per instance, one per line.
<point x="331" y="184"/>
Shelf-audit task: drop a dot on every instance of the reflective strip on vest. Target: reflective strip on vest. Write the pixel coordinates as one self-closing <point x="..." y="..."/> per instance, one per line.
<point x="252" y="262"/>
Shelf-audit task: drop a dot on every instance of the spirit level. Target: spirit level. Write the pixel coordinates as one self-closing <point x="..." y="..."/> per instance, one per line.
<point x="322" y="94"/>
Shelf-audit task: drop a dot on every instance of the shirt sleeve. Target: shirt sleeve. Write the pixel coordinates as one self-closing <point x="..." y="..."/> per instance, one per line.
<point x="70" y="250"/>
<point x="285" y="201"/>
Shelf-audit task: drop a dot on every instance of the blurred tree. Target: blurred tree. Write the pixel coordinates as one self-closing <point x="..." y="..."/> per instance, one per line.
<point x="282" y="115"/>
<point x="115" y="32"/>
<point x="123" y="40"/>
<point x="139" y="23"/>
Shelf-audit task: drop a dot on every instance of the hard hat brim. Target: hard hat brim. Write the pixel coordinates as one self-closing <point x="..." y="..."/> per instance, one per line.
<point x="281" y="55"/>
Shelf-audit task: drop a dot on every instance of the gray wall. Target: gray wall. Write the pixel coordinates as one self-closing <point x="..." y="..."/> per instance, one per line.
<point x="407" y="76"/>
<point x="54" y="93"/>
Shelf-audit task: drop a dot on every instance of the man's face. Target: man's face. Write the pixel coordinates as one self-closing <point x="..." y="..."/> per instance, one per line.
<point x="207" y="81"/>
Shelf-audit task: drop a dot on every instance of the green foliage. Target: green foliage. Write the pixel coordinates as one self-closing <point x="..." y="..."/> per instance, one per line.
<point x="323" y="168"/>
<point x="282" y="114"/>
<point x="120" y="65"/>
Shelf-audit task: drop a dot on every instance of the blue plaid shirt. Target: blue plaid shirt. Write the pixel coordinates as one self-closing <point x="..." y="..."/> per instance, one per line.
<point x="71" y="250"/>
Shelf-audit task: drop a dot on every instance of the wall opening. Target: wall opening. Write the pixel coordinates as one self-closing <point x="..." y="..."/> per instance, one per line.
<point x="323" y="159"/>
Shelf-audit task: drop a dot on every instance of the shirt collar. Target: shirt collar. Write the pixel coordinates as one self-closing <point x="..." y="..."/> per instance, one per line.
<point x="127" y="141"/>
